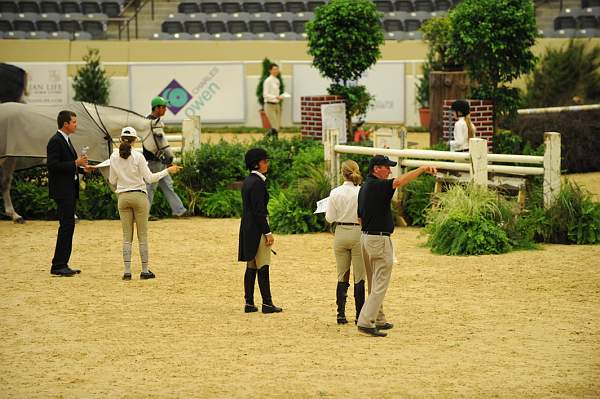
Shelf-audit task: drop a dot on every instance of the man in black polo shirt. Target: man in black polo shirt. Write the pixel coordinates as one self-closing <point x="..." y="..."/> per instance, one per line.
<point x="374" y="211"/>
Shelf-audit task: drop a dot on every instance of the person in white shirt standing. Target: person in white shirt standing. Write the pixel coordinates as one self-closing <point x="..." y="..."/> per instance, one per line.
<point x="463" y="127"/>
<point x="342" y="210"/>
<point x="129" y="174"/>
<point x="272" y="97"/>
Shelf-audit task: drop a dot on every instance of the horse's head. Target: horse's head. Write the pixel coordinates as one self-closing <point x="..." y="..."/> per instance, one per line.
<point x="155" y="141"/>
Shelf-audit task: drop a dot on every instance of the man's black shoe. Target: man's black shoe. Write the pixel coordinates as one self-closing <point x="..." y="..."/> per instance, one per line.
<point x="146" y="276"/>
<point x="270" y="308"/>
<point x="249" y="308"/>
<point x="75" y="271"/>
<point x="371" y="331"/>
<point x="385" y="326"/>
<point x="64" y="272"/>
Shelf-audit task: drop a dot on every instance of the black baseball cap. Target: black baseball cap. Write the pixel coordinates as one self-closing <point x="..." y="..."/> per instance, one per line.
<point x="381" y="160"/>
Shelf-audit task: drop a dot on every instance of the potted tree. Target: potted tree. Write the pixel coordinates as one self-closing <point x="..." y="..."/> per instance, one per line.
<point x="259" y="92"/>
<point x="423" y="96"/>
<point x="91" y="83"/>
<point x="344" y="39"/>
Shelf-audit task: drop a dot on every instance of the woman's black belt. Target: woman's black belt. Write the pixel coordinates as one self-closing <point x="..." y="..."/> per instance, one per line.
<point x="347" y="224"/>
<point x="135" y="191"/>
<point x="377" y="233"/>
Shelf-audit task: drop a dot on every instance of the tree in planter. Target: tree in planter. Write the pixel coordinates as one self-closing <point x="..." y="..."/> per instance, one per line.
<point x="91" y="83"/>
<point x="423" y="95"/>
<point x="266" y="65"/>
<point x="493" y="38"/>
<point x="344" y="39"/>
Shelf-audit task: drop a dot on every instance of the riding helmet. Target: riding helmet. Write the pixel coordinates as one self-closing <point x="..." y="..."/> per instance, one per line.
<point x="253" y="156"/>
<point x="461" y="107"/>
<point x="129" y="132"/>
<point x="159" y="101"/>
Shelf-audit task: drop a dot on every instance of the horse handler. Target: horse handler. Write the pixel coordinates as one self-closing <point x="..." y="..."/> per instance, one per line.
<point x="256" y="238"/>
<point x="374" y="211"/>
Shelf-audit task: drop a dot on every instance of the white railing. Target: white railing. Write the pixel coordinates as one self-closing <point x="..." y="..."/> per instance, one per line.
<point x="477" y="161"/>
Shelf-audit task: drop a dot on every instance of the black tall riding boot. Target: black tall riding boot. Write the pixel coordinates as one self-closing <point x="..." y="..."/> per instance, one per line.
<point x="341" y="293"/>
<point x="249" y="278"/>
<point x="265" y="290"/>
<point x="359" y="297"/>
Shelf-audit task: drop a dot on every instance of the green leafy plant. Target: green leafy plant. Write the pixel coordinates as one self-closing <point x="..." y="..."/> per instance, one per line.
<point x="266" y="65"/>
<point x="417" y="199"/>
<point x="286" y="216"/>
<point x="437" y="32"/>
<point x="565" y="74"/>
<point x="493" y="38"/>
<point x="222" y="204"/>
<point x="91" y="83"/>
<point x="344" y="39"/>
<point x="423" y="86"/>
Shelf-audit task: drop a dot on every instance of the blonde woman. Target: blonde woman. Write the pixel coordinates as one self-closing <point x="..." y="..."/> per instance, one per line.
<point x="129" y="174"/>
<point x="463" y="127"/>
<point x="342" y="210"/>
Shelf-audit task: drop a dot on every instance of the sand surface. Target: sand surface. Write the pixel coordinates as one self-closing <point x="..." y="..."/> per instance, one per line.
<point x="524" y="324"/>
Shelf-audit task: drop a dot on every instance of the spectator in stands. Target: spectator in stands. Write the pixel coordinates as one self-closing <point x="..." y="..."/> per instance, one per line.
<point x="342" y="211"/>
<point x="159" y="107"/>
<point x="272" y="97"/>
<point x="128" y="175"/>
<point x="463" y="127"/>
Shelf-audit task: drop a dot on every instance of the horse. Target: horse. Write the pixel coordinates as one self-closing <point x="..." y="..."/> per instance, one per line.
<point x="26" y="128"/>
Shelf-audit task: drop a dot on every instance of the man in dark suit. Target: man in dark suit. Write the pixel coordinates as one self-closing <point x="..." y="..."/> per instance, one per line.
<point x="255" y="234"/>
<point x="63" y="182"/>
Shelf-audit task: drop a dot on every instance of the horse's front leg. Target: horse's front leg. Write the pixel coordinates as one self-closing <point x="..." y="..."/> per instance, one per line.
<point x="6" y="175"/>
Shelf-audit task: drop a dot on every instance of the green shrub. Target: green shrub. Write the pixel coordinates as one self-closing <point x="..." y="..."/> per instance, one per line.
<point x="32" y="201"/>
<point x="506" y="142"/>
<point x="97" y="200"/>
<point x="417" y="199"/>
<point x="287" y="216"/>
<point x="222" y="204"/>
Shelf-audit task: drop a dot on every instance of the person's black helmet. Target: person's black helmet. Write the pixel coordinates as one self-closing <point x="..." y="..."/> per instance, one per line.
<point x="461" y="107"/>
<point x="253" y="156"/>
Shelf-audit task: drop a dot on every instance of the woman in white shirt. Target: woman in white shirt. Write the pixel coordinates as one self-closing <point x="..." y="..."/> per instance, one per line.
<point x="342" y="210"/>
<point x="463" y="127"/>
<point x="129" y="174"/>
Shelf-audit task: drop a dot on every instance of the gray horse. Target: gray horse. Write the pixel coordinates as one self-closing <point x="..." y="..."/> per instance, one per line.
<point x="26" y="128"/>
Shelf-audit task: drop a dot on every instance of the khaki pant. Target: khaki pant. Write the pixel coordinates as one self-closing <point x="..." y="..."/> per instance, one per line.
<point x="262" y="257"/>
<point x="378" y="256"/>
<point x="346" y="246"/>
<point x="134" y="208"/>
<point x="273" y="112"/>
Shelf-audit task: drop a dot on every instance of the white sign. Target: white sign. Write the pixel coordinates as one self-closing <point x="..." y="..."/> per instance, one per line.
<point x="384" y="80"/>
<point x="46" y="83"/>
<point x="333" y="116"/>
<point x="215" y="92"/>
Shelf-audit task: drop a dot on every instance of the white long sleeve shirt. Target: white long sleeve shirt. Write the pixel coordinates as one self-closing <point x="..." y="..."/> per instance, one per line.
<point x="343" y="203"/>
<point x="132" y="173"/>
<point x="271" y="90"/>
<point x="461" y="136"/>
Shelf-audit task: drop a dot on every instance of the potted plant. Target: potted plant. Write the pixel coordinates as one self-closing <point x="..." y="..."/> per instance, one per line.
<point x="423" y="96"/>
<point x="266" y="64"/>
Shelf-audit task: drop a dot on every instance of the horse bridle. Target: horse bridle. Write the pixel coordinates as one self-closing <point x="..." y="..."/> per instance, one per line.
<point x="160" y="152"/>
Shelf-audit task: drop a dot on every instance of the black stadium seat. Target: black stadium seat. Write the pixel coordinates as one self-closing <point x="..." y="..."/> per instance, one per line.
<point x="237" y="27"/>
<point x="299" y="26"/>
<point x="69" y="25"/>
<point x="50" y="6"/>
<point x="564" y="22"/>
<point x="111" y="8"/>
<point x="210" y="7"/>
<point x="259" y="26"/>
<point x="172" y="27"/>
<point x="392" y="25"/>
<point x="188" y="7"/>
<point x="194" y="26"/>
<point x="95" y="28"/>
<point x="29" y="6"/>
<point x="587" y="22"/>
<point x="280" y="26"/>
<point x="90" y="7"/>
<point x="5" y="25"/>
<point x="213" y="27"/>
<point x="443" y="5"/>
<point x="273" y="6"/>
<point x="412" y="24"/>
<point x="69" y="7"/>
<point x="24" y="22"/>
<point x="48" y="23"/>
<point x="424" y="5"/>
<point x="384" y="5"/>
<point x="312" y="5"/>
<point x="295" y="6"/>
<point x="8" y="6"/>
<point x="404" y="5"/>
<point x="231" y="7"/>
<point x="252" y="7"/>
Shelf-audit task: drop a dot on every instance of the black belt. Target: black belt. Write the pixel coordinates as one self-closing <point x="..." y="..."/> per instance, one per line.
<point x="347" y="224"/>
<point x="377" y="233"/>
<point x="135" y="191"/>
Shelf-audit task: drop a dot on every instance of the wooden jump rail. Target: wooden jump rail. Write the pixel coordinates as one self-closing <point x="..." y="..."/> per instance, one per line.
<point x="477" y="161"/>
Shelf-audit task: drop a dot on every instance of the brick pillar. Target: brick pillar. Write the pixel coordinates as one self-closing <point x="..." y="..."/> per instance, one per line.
<point x="310" y="106"/>
<point x="482" y="116"/>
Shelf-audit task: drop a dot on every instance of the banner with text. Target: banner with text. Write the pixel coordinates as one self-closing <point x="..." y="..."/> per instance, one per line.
<point x="215" y="92"/>
<point x="384" y="80"/>
<point x="46" y="83"/>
